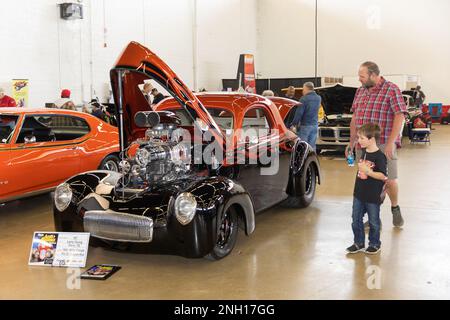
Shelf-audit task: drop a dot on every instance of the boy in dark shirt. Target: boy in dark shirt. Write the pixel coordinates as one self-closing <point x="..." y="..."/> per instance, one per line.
<point x="369" y="190"/>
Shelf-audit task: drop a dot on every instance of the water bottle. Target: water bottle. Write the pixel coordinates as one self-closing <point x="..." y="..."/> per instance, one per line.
<point x="350" y="159"/>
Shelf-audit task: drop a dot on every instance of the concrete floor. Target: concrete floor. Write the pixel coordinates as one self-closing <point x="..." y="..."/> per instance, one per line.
<point x="293" y="254"/>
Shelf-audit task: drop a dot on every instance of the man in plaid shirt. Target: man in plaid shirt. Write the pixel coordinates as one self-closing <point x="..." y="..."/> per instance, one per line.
<point x="381" y="102"/>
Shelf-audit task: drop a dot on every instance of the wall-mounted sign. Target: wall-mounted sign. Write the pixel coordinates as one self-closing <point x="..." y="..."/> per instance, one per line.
<point x="20" y="91"/>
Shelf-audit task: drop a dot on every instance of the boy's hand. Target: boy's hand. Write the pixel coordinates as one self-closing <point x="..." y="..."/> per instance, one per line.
<point x="348" y="149"/>
<point x="389" y="150"/>
<point x="363" y="167"/>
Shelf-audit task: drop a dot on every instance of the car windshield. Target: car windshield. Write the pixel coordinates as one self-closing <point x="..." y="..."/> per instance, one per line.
<point x="223" y="118"/>
<point x="154" y="93"/>
<point x="7" y="125"/>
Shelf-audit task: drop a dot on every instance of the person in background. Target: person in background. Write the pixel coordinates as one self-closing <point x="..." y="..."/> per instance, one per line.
<point x="290" y="93"/>
<point x="65" y="102"/>
<point x="97" y="110"/>
<point x="419" y="97"/>
<point x="268" y="93"/>
<point x="381" y="102"/>
<point x="6" y="101"/>
<point x="146" y="91"/>
<point x="306" y="116"/>
<point x="157" y="96"/>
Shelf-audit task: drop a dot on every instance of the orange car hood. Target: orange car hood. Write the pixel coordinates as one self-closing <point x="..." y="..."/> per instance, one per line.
<point x="138" y="63"/>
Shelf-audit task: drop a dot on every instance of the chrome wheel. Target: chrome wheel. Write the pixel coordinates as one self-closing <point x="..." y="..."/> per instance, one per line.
<point x="111" y="165"/>
<point x="226" y="235"/>
<point x="226" y="229"/>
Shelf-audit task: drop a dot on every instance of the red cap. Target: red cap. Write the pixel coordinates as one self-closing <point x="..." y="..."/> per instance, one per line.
<point x="65" y="93"/>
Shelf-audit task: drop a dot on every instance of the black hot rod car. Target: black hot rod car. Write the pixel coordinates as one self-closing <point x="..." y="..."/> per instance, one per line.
<point x="168" y="197"/>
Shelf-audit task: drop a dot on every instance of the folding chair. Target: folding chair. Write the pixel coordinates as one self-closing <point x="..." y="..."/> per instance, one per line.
<point x="419" y="134"/>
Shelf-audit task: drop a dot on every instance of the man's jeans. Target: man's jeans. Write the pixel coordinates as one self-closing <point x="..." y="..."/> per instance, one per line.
<point x="308" y="134"/>
<point x="373" y="211"/>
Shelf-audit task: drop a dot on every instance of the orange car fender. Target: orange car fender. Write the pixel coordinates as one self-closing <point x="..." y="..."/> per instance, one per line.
<point x="102" y="141"/>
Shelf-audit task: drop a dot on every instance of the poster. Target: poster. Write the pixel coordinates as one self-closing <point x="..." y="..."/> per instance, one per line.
<point x="59" y="249"/>
<point x="43" y="248"/>
<point x="246" y="73"/>
<point x="20" y="91"/>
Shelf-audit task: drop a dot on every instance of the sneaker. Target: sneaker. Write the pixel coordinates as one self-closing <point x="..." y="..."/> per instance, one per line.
<point x="397" y="218"/>
<point x="354" y="248"/>
<point x="372" y="250"/>
<point x="367" y="226"/>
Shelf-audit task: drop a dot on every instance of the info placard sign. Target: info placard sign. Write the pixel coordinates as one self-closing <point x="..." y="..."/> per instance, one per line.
<point x="59" y="249"/>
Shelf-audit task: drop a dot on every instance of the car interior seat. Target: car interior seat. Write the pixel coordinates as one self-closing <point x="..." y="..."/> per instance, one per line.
<point x="43" y="134"/>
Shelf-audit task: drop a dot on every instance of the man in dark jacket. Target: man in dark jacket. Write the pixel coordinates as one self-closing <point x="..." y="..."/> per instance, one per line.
<point x="419" y="97"/>
<point x="157" y="96"/>
<point x="306" y="116"/>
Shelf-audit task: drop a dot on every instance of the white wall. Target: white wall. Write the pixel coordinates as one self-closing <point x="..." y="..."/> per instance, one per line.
<point x="285" y="38"/>
<point x="226" y="29"/>
<point x="29" y="37"/>
<point x="403" y="37"/>
<point x="78" y="54"/>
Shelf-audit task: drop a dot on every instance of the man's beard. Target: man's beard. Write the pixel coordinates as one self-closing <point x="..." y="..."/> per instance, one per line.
<point x="369" y="84"/>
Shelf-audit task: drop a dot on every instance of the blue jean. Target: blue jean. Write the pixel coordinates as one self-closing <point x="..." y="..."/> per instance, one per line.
<point x="373" y="211"/>
<point x="308" y="134"/>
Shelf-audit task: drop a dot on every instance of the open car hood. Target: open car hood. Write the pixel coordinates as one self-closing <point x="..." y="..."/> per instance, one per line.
<point x="337" y="99"/>
<point x="136" y="64"/>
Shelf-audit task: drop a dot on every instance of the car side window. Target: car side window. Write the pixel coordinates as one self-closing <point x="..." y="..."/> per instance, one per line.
<point x="47" y="128"/>
<point x="257" y="119"/>
<point x="255" y="125"/>
<point x="223" y="118"/>
<point x="7" y="126"/>
<point x="290" y="116"/>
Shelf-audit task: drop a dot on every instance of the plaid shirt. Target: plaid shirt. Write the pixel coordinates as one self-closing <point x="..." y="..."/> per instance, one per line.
<point x="379" y="105"/>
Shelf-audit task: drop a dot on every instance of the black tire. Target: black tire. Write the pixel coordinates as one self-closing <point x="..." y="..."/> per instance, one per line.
<point x="110" y="162"/>
<point x="308" y="188"/>
<point x="226" y="237"/>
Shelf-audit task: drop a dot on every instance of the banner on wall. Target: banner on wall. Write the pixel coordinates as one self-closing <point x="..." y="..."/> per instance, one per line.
<point x="246" y="72"/>
<point x="20" y="91"/>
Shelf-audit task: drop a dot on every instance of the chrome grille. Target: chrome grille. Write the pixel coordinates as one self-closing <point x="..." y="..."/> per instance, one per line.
<point x="118" y="226"/>
<point x="326" y="133"/>
<point x="344" y="133"/>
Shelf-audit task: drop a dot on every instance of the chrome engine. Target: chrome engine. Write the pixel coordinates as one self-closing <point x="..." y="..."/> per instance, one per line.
<point x="162" y="155"/>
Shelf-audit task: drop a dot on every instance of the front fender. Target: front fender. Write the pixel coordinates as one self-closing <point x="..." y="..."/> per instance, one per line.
<point x="302" y="155"/>
<point x="84" y="183"/>
<point x="221" y="193"/>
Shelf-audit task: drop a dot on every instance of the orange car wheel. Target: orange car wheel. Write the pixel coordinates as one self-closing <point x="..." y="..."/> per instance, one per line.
<point x="111" y="163"/>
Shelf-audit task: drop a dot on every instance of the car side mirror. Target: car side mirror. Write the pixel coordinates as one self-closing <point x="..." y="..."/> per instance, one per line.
<point x="29" y="139"/>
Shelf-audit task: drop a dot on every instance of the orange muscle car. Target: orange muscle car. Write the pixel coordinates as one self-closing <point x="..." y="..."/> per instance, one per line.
<point x="40" y="148"/>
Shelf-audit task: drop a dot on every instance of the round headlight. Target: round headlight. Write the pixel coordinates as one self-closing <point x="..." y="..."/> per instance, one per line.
<point x="185" y="206"/>
<point x="63" y="196"/>
<point x="142" y="157"/>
